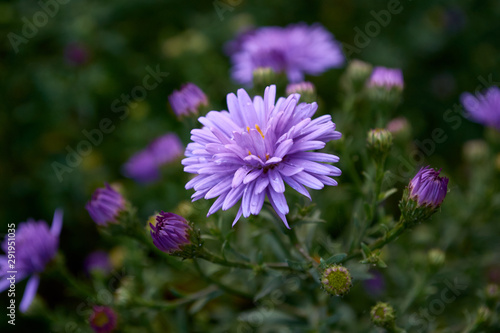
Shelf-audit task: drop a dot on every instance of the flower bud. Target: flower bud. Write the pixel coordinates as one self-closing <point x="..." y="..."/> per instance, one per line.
<point x="386" y="85"/>
<point x="483" y="316"/>
<point x="423" y="196"/>
<point x="383" y="315"/>
<point x="355" y="76"/>
<point x="263" y="76"/>
<point x="105" y="206"/>
<point x="125" y="292"/>
<point x="436" y="257"/>
<point x="336" y="280"/>
<point x="379" y="142"/>
<point x="102" y="319"/>
<point x="400" y="128"/>
<point x="188" y="100"/>
<point x="306" y="90"/>
<point x="174" y="235"/>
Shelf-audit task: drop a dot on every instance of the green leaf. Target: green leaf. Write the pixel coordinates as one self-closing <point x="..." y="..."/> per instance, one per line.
<point x="200" y="303"/>
<point x="335" y="259"/>
<point x="386" y="194"/>
<point x="298" y="265"/>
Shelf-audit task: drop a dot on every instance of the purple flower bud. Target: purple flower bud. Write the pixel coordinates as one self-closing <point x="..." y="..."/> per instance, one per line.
<point x="427" y="188"/>
<point x="105" y="205"/>
<point x="484" y="108"/>
<point x="386" y="77"/>
<point x="187" y="100"/>
<point x="144" y="166"/>
<point x="98" y="261"/>
<point x="103" y="319"/>
<point x="171" y="232"/>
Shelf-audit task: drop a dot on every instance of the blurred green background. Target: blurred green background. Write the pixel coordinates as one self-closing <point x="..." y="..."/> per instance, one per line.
<point x="65" y="78"/>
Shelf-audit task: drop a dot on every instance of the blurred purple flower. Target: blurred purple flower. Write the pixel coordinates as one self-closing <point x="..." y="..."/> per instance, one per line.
<point x="187" y="100"/>
<point x="76" y="54"/>
<point x="251" y="151"/>
<point x="386" y="77"/>
<point x="36" y="245"/>
<point x="170" y="233"/>
<point x="427" y="188"/>
<point x="484" y="108"/>
<point x="297" y="49"/>
<point x="103" y="319"/>
<point x="144" y="166"/>
<point x="301" y="87"/>
<point x="105" y="205"/>
<point x="98" y="261"/>
<point x="376" y="285"/>
<point x="236" y="45"/>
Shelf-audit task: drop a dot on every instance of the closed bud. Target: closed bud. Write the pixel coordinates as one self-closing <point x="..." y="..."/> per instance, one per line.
<point x="336" y="280"/>
<point x="483" y="316"/>
<point x="423" y="196"/>
<point x="306" y="90"/>
<point x="174" y="235"/>
<point x="379" y="142"/>
<point x="385" y="85"/>
<point x="263" y="76"/>
<point x="189" y="100"/>
<point x="400" y="128"/>
<point x="383" y="315"/>
<point x="355" y="76"/>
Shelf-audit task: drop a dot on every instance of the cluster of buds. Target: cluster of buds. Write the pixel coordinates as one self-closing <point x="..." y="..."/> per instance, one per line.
<point x="423" y="196"/>
<point x="336" y="280"/>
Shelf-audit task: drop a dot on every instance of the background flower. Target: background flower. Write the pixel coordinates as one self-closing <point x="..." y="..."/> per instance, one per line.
<point x="35" y="246"/>
<point x="296" y="50"/>
<point x="484" y="108"/>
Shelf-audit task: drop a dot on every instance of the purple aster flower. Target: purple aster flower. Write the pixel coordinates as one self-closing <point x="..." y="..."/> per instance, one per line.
<point x="144" y="166"/>
<point x="484" y="108"/>
<point x="98" y="261"/>
<point x="35" y="246"/>
<point x="386" y="77"/>
<point x="427" y="188"/>
<point x="103" y="319"/>
<point x="105" y="205"/>
<point x="296" y="50"/>
<point x="187" y="100"/>
<point x="251" y="151"/>
<point x="170" y="233"/>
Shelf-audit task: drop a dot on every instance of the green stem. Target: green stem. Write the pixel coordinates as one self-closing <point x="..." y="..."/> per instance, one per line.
<point x="174" y="304"/>
<point x="382" y="241"/>
<point x="208" y="256"/>
<point x="223" y="287"/>
<point x="76" y="286"/>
